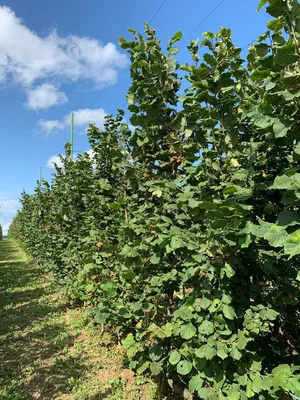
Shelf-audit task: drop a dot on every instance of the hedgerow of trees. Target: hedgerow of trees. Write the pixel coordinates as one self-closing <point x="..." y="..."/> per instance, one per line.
<point x="182" y="234"/>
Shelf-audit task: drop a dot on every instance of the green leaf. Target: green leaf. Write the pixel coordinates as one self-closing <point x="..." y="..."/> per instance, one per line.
<point x="124" y="313"/>
<point x="177" y="36"/>
<point x="230" y="190"/>
<point x="291" y="78"/>
<point x="182" y="98"/>
<point x="245" y="241"/>
<point x="155" y="259"/>
<point x="204" y="303"/>
<point x="276" y="25"/>
<point x="123" y="42"/>
<point x="130" y="98"/>
<point x="143" y="367"/>
<point x="206" y="351"/>
<point x="270" y="85"/>
<point x="275" y="235"/>
<point x="195" y="383"/>
<point x="176" y="243"/>
<point x="292" y="244"/>
<point x="156" y="368"/>
<point x="229" y="312"/>
<point x="206" y="328"/>
<point x="205" y="393"/>
<point x="128" y="342"/>
<point x="186" y="67"/>
<point x="193" y="203"/>
<point x="109" y="289"/>
<point x="261" y="4"/>
<point x="155" y="353"/>
<point x="267" y="383"/>
<point x="249" y="392"/>
<point x="216" y="166"/>
<point x="288" y="218"/>
<point x="200" y="73"/>
<point x="129" y="251"/>
<point x="210" y="59"/>
<point x="262" y="121"/>
<point x="259" y="75"/>
<point x="286" y="55"/>
<point x="235" y="353"/>
<point x="270" y="314"/>
<point x="100" y="318"/>
<point x="280" y="129"/>
<point x="222" y="351"/>
<point x="173" y="50"/>
<point x="242" y="342"/>
<point x="256" y="384"/>
<point x="262" y="50"/>
<point x="282" y="182"/>
<point x="208" y="35"/>
<point x="234" y="394"/>
<point x="255" y="365"/>
<point x="187" y="331"/>
<point x="297" y="148"/>
<point x="175" y="357"/>
<point x="184" y="367"/>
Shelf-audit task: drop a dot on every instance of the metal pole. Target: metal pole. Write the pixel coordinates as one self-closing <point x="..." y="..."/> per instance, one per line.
<point x="41" y="174"/>
<point x="72" y="135"/>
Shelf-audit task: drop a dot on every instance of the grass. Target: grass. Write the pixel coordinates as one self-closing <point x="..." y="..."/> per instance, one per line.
<point x="50" y="351"/>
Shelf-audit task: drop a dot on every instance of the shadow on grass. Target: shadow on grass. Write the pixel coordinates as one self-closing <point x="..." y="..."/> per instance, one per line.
<point x="33" y="336"/>
<point x="8" y="250"/>
<point x="102" y="395"/>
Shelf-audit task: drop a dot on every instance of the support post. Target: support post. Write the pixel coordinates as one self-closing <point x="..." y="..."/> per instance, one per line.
<point x="72" y="135"/>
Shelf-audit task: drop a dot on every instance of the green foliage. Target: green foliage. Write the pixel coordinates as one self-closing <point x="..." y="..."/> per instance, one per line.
<point x="183" y="234"/>
<point x="1" y="233"/>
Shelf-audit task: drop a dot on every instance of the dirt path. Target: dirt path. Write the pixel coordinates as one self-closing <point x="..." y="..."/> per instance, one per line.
<point x="48" y="351"/>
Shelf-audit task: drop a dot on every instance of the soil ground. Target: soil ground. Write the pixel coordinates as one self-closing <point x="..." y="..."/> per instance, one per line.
<point x="48" y="350"/>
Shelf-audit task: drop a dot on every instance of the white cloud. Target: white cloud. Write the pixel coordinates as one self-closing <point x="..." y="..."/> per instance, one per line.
<point x="5" y="228"/>
<point x="8" y="209"/>
<point x="45" y="96"/>
<point x="57" y="160"/>
<point x="91" y="153"/>
<point x="86" y="116"/>
<point x="54" y="160"/>
<point x="27" y="58"/>
<point x="82" y="118"/>
<point x="49" y="127"/>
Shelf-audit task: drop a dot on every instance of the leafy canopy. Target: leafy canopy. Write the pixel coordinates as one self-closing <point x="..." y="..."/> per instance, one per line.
<point x="182" y="233"/>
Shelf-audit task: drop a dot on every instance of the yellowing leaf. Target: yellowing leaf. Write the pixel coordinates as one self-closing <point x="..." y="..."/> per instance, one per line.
<point x="139" y="324"/>
<point x="188" y="132"/>
<point x="157" y="193"/>
<point x="235" y="162"/>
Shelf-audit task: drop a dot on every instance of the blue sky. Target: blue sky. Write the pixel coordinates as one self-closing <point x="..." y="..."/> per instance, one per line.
<point x="55" y="56"/>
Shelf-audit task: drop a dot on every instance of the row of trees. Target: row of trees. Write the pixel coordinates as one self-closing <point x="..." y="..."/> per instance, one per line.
<point x="1" y="232"/>
<point x="183" y="234"/>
